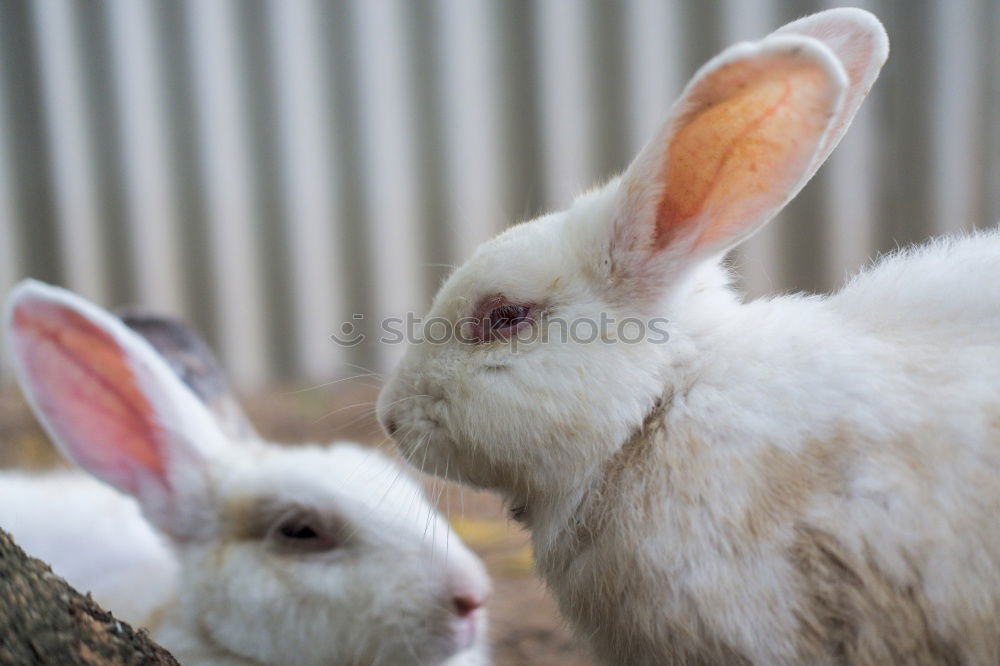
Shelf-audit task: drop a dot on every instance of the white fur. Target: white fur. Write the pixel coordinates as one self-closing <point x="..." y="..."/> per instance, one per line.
<point x="871" y="416"/>
<point x="95" y="536"/>
<point x="215" y="587"/>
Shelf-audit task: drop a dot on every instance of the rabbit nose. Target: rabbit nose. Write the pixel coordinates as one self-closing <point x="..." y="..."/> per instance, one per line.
<point x="466" y="604"/>
<point x="468" y="585"/>
<point x="391" y="426"/>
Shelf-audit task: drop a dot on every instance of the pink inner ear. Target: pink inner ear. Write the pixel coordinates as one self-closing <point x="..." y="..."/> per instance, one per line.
<point x="742" y="148"/>
<point x="88" y="394"/>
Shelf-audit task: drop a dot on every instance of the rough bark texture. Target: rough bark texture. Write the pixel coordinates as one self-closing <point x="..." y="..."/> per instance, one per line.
<point x="45" y="621"/>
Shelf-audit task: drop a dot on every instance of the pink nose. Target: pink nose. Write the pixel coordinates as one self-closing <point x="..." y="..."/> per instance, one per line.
<point x="466" y="604"/>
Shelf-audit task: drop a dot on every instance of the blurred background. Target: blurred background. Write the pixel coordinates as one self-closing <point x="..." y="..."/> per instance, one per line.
<point x="267" y="169"/>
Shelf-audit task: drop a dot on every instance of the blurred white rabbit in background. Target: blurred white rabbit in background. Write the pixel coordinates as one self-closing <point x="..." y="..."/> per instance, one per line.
<point x="233" y="550"/>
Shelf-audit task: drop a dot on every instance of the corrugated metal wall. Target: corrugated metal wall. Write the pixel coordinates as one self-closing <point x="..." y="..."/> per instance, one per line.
<point x="266" y="168"/>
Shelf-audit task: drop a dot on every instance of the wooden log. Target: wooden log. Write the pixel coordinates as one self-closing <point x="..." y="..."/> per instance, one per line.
<point x="45" y="621"/>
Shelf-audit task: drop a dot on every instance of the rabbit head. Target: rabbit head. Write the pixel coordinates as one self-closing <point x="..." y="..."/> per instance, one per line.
<point x="558" y="324"/>
<point x="314" y="554"/>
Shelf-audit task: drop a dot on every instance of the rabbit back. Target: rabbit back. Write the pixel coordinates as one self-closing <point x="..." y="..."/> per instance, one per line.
<point x="838" y="471"/>
<point x="945" y="292"/>
<point x="93" y="536"/>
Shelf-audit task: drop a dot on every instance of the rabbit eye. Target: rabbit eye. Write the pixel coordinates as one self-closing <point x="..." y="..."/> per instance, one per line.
<point x="304" y="533"/>
<point x="296" y="531"/>
<point x="507" y="315"/>
<point x="501" y="319"/>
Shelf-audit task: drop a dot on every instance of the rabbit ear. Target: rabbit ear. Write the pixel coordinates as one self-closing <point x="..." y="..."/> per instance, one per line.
<point x="113" y="406"/>
<point x="862" y="46"/>
<point x="192" y="360"/>
<point x="749" y="131"/>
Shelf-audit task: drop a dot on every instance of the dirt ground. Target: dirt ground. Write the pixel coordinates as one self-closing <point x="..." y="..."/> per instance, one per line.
<point x="525" y="626"/>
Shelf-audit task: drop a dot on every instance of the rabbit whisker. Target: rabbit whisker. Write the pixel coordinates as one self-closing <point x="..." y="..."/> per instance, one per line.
<point x="363" y="368"/>
<point x="331" y="383"/>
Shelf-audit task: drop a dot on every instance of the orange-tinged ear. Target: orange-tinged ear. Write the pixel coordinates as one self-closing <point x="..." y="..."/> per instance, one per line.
<point x="82" y="384"/>
<point x="738" y="145"/>
<point x="742" y="143"/>
<point x="749" y="131"/>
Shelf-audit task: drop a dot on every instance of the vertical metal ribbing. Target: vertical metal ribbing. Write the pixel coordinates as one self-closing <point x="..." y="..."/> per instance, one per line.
<point x="267" y="167"/>
<point x="97" y="64"/>
<point x="355" y="239"/>
<point x="904" y="132"/>
<point x="11" y="261"/>
<point x="71" y="151"/>
<point x="233" y="224"/>
<point x="957" y="101"/>
<point x="39" y="247"/>
<point x="309" y="184"/>
<point x="386" y="103"/>
<point x="654" y="65"/>
<point x="989" y="154"/>
<point x="437" y="238"/>
<point x="270" y="197"/>
<point x="147" y="158"/>
<point x="604" y="39"/>
<point x="567" y="115"/>
<point x="470" y="109"/>
<point x="520" y="122"/>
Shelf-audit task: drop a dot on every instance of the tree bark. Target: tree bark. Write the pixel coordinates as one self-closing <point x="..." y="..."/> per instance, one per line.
<point x="45" y="621"/>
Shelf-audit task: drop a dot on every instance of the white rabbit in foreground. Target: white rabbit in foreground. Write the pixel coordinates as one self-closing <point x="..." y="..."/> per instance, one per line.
<point x="273" y="555"/>
<point x="799" y="479"/>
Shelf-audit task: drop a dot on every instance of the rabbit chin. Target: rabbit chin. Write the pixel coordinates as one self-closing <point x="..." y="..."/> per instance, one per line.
<point x="428" y="446"/>
<point x="463" y="642"/>
<point x="469" y="641"/>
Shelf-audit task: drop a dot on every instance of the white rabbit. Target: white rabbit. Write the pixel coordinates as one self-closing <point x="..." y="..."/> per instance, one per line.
<point x="799" y="479"/>
<point x="270" y="555"/>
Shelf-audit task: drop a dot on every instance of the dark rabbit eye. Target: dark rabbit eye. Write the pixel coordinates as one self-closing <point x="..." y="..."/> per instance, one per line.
<point x="304" y="533"/>
<point x="297" y="531"/>
<point x="499" y="319"/>
<point x="506" y="316"/>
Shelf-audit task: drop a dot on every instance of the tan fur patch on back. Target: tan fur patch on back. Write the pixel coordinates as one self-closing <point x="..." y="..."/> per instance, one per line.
<point x="790" y="480"/>
<point x="856" y="614"/>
